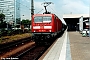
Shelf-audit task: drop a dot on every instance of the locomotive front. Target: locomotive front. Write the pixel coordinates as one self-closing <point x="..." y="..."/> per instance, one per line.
<point x="42" y="27"/>
<point x="41" y="24"/>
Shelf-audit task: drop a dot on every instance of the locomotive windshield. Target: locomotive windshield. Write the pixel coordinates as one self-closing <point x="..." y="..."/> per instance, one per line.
<point x="42" y="19"/>
<point x="47" y="19"/>
<point x="37" y="19"/>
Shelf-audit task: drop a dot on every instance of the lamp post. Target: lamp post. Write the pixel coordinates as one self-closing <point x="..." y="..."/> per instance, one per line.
<point x="89" y="24"/>
<point x="89" y="19"/>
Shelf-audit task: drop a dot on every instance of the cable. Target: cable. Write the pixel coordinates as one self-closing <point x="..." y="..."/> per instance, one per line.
<point x="52" y="9"/>
<point x="39" y="11"/>
<point x="24" y="5"/>
<point x="49" y="6"/>
<point x="24" y="10"/>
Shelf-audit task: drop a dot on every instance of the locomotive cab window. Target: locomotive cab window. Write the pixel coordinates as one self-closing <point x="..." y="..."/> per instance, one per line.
<point x="46" y="19"/>
<point x="37" y="19"/>
<point x="42" y="19"/>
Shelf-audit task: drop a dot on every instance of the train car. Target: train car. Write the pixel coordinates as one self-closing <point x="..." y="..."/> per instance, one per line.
<point x="45" y="26"/>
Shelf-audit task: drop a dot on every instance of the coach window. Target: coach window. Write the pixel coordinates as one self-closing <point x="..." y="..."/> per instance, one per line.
<point x="47" y="19"/>
<point x="37" y="19"/>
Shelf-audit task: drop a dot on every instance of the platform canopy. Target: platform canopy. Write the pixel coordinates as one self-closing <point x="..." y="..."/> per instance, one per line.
<point x="75" y="15"/>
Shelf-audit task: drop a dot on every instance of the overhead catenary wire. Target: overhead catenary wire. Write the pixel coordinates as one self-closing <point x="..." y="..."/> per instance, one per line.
<point x="39" y="11"/>
<point x="53" y="9"/>
<point x="24" y="5"/>
<point x="24" y="10"/>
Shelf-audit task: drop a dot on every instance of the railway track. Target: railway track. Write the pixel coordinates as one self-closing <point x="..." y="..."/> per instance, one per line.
<point x="29" y="51"/>
<point x="17" y="50"/>
<point x="33" y="53"/>
<point x="11" y="45"/>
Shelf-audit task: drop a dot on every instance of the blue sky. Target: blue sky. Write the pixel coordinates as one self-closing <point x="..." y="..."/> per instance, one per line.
<point x="59" y="7"/>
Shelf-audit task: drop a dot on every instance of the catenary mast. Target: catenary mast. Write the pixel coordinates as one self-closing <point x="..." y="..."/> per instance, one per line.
<point x="32" y="8"/>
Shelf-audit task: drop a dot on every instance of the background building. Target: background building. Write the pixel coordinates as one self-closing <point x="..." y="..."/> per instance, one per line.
<point x="11" y="9"/>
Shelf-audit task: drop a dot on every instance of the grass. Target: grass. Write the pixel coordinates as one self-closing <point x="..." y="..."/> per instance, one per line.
<point x="7" y="39"/>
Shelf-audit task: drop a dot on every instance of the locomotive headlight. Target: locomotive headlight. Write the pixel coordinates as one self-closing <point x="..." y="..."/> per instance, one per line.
<point x="34" y="31"/>
<point x="50" y="30"/>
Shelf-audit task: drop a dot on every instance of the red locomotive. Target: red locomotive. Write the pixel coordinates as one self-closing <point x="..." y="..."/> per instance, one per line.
<point x="45" y="26"/>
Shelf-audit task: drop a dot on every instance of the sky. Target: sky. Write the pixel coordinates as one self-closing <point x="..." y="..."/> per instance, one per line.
<point x="59" y="7"/>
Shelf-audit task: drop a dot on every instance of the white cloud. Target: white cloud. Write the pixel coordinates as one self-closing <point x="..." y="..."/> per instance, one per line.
<point x="76" y="7"/>
<point x="38" y="7"/>
<point x="51" y="8"/>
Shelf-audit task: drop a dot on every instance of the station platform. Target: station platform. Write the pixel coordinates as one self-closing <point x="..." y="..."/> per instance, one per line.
<point x="71" y="46"/>
<point x="80" y="46"/>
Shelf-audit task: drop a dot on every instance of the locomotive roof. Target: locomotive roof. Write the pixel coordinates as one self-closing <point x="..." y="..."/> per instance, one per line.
<point x="43" y="14"/>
